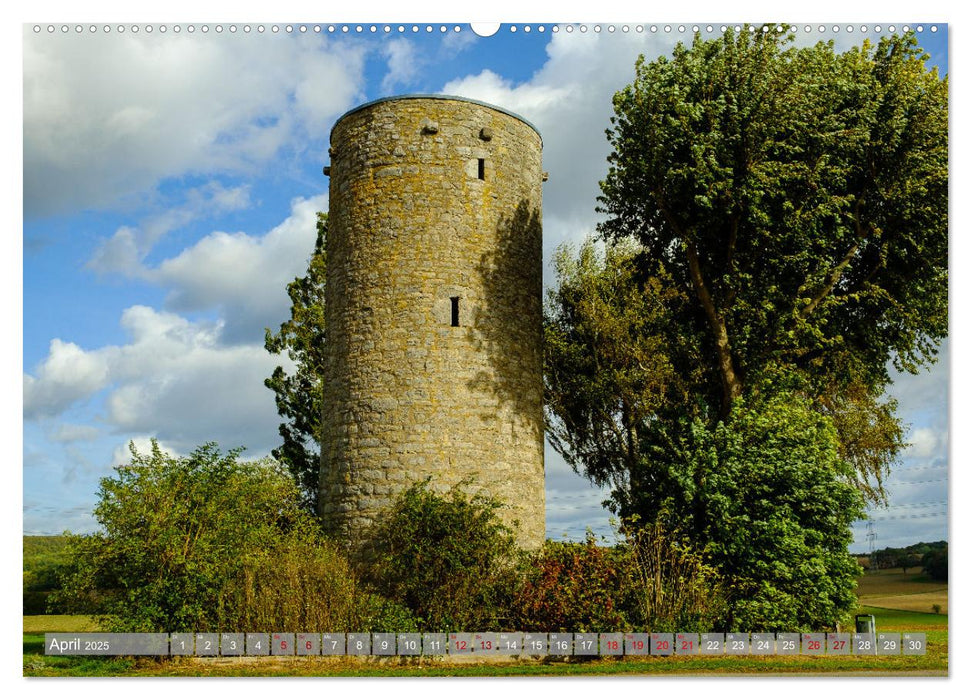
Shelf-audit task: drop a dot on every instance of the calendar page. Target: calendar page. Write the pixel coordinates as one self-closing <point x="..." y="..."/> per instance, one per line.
<point x="516" y="348"/>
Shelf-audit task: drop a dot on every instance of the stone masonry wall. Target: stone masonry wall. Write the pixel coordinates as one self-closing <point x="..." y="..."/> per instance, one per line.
<point x="430" y="200"/>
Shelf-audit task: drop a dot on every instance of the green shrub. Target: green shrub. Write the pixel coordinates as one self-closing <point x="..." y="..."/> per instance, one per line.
<point x="375" y="613"/>
<point x="774" y="505"/>
<point x="208" y="543"/>
<point x="447" y="558"/>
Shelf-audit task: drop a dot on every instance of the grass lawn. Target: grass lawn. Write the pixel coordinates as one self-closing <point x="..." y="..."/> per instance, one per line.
<point x="39" y="624"/>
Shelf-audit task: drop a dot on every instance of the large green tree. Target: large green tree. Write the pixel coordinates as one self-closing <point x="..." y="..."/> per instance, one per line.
<point x="798" y="197"/>
<point x="793" y="205"/>
<point x="775" y="237"/>
<point x="299" y="394"/>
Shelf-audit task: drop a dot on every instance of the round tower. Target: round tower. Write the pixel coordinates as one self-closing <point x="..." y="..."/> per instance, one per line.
<point x="433" y="310"/>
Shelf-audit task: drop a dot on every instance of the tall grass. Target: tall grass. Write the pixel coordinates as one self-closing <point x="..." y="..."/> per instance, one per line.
<point x="672" y="589"/>
<point x="305" y="585"/>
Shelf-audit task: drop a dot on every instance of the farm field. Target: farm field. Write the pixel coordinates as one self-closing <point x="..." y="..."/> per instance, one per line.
<point x="893" y="588"/>
<point x="909" y="591"/>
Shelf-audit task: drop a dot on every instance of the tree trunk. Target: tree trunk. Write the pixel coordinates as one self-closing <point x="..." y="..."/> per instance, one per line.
<point x="731" y="385"/>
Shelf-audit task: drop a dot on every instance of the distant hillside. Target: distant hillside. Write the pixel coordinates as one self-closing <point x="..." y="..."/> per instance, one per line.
<point x="43" y="545"/>
<point x="44" y="557"/>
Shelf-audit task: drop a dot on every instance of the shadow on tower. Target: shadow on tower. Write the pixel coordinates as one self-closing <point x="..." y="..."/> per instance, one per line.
<point x="510" y="326"/>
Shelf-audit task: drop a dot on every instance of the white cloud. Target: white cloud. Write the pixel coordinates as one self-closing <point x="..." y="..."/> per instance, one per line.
<point x="454" y="43"/>
<point x="231" y="199"/>
<point x="925" y="442"/>
<point x="173" y="379"/>
<point x="529" y="98"/>
<point x="124" y="252"/>
<point x="190" y="381"/>
<point x="243" y="276"/>
<point x="119" y="254"/>
<point x="109" y="116"/>
<point x="402" y="64"/>
<point x="67" y="375"/>
<point x="210" y="394"/>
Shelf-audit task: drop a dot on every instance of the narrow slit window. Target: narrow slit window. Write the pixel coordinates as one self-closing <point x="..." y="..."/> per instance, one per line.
<point x="455" y="312"/>
<point x="482" y="168"/>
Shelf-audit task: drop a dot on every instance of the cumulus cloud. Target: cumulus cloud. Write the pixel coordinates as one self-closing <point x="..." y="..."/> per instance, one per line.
<point x="173" y="379"/>
<point x="208" y="394"/>
<point x="239" y="275"/>
<point x="189" y="381"/>
<point x="243" y="276"/>
<point x="124" y="251"/>
<point x="109" y="116"/>
<point x="67" y="375"/>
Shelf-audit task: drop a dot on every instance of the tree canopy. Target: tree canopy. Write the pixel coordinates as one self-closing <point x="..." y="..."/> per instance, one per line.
<point x="790" y="208"/>
<point x="797" y="197"/>
<point x="299" y="394"/>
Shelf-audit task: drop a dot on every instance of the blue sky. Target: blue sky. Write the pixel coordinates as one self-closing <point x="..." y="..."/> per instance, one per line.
<point x="171" y="181"/>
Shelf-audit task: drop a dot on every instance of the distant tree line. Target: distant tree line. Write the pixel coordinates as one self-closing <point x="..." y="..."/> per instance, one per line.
<point x="929" y="557"/>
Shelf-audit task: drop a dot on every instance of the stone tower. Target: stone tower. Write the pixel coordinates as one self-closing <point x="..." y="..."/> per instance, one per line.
<point x="433" y="310"/>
